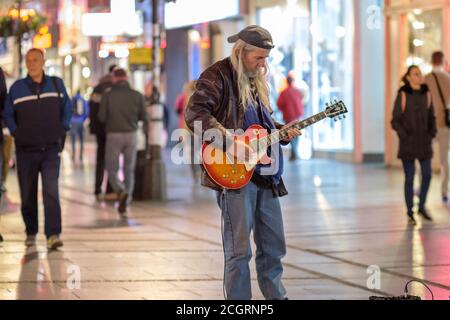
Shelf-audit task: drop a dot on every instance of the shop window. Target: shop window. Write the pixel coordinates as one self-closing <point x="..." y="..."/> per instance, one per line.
<point x="424" y="37"/>
<point x="332" y="68"/>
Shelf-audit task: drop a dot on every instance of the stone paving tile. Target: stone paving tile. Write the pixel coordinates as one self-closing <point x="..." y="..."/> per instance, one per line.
<point x="173" y="249"/>
<point x="45" y="291"/>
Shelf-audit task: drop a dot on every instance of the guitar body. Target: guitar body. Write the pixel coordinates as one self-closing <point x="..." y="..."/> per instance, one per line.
<point x="225" y="170"/>
<point x="229" y="173"/>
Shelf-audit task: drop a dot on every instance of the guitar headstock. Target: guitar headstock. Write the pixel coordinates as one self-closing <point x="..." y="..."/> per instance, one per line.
<point x="335" y="109"/>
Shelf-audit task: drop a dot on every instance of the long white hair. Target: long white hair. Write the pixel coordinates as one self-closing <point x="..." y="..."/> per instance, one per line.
<point x="240" y="49"/>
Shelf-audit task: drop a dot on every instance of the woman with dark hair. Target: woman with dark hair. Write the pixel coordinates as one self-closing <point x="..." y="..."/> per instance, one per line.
<point x="413" y="120"/>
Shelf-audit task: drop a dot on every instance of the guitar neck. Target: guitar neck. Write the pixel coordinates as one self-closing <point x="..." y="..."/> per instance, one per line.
<point x="283" y="133"/>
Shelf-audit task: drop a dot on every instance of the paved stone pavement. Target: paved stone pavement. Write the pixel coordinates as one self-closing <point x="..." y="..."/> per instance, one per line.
<point x="339" y="219"/>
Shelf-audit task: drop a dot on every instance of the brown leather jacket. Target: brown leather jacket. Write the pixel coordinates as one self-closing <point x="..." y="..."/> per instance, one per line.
<point x="215" y="103"/>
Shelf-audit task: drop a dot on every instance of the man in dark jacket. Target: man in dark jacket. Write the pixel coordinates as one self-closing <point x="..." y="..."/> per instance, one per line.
<point x="37" y="113"/>
<point x="233" y="94"/>
<point x="121" y="109"/>
<point x="98" y="129"/>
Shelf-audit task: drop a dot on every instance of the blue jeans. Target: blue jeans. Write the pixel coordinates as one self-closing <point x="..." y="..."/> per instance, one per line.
<point x="409" y="169"/>
<point x="77" y="131"/>
<point x="29" y="165"/>
<point x="252" y="208"/>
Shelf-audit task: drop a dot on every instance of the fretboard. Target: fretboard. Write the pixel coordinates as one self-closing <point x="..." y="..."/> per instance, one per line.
<point x="283" y="133"/>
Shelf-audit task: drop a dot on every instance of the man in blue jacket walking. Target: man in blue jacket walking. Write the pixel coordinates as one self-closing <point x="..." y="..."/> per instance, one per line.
<point x="79" y="116"/>
<point x="37" y="113"/>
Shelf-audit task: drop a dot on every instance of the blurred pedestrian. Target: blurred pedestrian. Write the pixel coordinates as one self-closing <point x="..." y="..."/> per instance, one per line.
<point x="414" y="121"/>
<point x="8" y="143"/>
<point x="98" y="129"/>
<point x="121" y="109"/>
<point x="189" y="152"/>
<point x="438" y="82"/>
<point x="6" y="150"/>
<point x="80" y="114"/>
<point x="290" y="104"/>
<point x="151" y="95"/>
<point x="39" y="137"/>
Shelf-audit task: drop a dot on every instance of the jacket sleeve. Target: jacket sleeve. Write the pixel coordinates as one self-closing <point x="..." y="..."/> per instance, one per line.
<point x="8" y="114"/>
<point x="432" y="129"/>
<point x="67" y="103"/>
<point x="398" y="118"/>
<point x="3" y="90"/>
<point x="101" y="115"/>
<point x="206" y="97"/>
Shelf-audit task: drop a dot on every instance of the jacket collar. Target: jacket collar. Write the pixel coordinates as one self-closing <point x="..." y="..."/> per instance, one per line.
<point x="30" y="81"/>
<point x="122" y="83"/>
<point x="408" y="89"/>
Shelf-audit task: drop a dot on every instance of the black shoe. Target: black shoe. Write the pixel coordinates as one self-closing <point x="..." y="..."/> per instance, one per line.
<point x="123" y="197"/>
<point x="425" y="214"/>
<point x="411" y="219"/>
<point x="54" y="242"/>
<point x="1" y="238"/>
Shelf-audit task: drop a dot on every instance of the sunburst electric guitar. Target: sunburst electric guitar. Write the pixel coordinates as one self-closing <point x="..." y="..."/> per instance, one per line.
<point x="230" y="173"/>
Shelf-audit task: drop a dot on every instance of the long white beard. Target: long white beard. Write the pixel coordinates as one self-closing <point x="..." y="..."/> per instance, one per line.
<point x="254" y="74"/>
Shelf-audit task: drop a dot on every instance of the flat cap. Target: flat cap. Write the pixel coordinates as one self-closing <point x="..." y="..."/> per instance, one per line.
<point x="254" y="35"/>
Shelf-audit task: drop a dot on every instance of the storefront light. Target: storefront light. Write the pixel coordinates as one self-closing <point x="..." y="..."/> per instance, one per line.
<point x="340" y="32"/>
<point x="43" y="30"/>
<point x="86" y="72"/>
<point x="414" y="61"/>
<point x="417" y="43"/>
<point x="122" y="20"/>
<point x="189" y="12"/>
<point x="25" y="14"/>
<point x="317" y="181"/>
<point x="313" y="29"/>
<point x="121" y="52"/>
<point x="194" y="35"/>
<point x="418" y="25"/>
<point x="83" y="61"/>
<point x="417" y="12"/>
<point x="103" y="54"/>
<point x="68" y="60"/>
